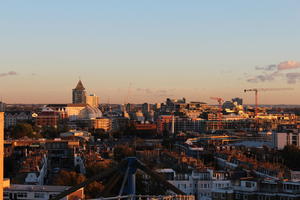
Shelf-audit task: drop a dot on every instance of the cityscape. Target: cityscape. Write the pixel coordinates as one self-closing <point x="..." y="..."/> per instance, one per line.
<point x="133" y="100"/>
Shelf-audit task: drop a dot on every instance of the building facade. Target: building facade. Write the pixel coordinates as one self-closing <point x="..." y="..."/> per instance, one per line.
<point x="38" y="192"/>
<point x="92" y="100"/>
<point x="79" y="94"/>
<point x="282" y="139"/>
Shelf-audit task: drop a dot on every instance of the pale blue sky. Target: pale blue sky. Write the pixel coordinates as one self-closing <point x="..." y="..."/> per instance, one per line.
<point x="195" y="49"/>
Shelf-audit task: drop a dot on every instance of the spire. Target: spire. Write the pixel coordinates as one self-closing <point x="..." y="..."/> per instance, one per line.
<point x="79" y="86"/>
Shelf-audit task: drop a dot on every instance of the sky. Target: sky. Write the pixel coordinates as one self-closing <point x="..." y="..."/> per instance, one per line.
<point x="145" y="51"/>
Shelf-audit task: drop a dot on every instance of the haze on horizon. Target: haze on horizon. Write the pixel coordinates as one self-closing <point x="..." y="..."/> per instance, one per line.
<point x="159" y="49"/>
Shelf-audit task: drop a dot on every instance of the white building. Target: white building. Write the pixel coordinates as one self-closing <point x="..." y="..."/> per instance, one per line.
<point x="37" y="192"/>
<point x="280" y="140"/>
<point x="200" y="183"/>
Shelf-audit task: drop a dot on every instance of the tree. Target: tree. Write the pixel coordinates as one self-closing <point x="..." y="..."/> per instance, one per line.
<point x="100" y="134"/>
<point x="49" y="132"/>
<point x="23" y="130"/>
<point x="93" y="189"/>
<point x="122" y="151"/>
<point x="67" y="178"/>
<point x="71" y="178"/>
<point x="93" y="169"/>
<point x="291" y="154"/>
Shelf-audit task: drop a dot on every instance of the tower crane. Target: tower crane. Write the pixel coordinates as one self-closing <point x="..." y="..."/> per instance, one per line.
<point x="256" y="90"/>
<point x="219" y="116"/>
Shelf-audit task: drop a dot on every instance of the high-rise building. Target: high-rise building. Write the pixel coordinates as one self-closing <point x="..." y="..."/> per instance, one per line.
<point x="2" y="106"/>
<point x="1" y="152"/>
<point x="92" y="100"/>
<point x="79" y="94"/>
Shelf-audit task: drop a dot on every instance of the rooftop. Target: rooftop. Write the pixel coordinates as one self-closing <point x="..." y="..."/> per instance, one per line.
<point x="38" y="188"/>
<point x="79" y="86"/>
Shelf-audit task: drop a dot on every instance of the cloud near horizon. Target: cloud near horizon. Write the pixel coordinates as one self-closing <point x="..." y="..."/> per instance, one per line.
<point x="272" y="72"/>
<point x="288" y="65"/>
<point x="153" y="92"/>
<point x="10" y="73"/>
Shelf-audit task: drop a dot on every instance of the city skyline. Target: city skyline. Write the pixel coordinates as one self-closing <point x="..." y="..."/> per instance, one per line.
<point x="158" y="49"/>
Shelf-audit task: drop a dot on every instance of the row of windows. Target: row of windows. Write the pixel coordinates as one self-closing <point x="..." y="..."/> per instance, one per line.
<point x="24" y="195"/>
<point x="291" y="187"/>
<point x="204" y="185"/>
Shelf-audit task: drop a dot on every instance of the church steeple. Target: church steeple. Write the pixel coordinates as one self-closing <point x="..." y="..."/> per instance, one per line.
<point x="79" y="94"/>
<point x="79" y="86"/>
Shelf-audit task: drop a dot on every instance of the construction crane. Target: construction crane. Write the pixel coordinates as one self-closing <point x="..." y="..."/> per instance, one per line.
<point x="219" y="116"/>
<point x="256" y="90"/>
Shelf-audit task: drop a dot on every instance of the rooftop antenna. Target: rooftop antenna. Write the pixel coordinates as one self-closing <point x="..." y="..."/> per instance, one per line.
<point x="128" y="93"/>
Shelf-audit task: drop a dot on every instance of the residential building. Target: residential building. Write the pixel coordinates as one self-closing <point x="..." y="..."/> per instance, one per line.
<point x="92" y="100"/>
<point x="102" y="123"/>
<point x="265" y="189"/>
<point x="38" y="192"/>
<point x="200" y="182"/>
<point x="282" y="139"/>
<point x="47" y="118"/>
<point x="14" y="117"/>
<point x="61" y="153"/>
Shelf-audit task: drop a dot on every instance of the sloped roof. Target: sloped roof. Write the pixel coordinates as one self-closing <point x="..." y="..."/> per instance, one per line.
<point x="79" y="86"/>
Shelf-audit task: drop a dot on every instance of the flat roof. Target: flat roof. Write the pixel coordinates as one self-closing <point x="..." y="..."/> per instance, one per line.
<point x="37" y="188"/>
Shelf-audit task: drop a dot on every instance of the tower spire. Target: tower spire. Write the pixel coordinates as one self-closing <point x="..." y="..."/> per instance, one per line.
<point x="79" y="86"/>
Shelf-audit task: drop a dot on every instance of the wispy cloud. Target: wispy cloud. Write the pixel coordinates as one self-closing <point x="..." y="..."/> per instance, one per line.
<point x="288" y="65"/>
<point x="273" y="72"/>
<point x="155" y="92"/>
<point x="144" y="90"/>
<point x="10" y="73"/>
<point x="292" y="78"/>
<point x="267" y="68"/>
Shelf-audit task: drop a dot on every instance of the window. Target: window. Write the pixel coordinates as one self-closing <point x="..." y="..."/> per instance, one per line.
<point x="248" y="184"/>
<point x="22" y="195"/>
<point x="223" y="196"/>
<point x="39" y="195"/>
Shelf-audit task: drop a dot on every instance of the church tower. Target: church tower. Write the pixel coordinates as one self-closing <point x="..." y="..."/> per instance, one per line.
<point x="79" y="94"/>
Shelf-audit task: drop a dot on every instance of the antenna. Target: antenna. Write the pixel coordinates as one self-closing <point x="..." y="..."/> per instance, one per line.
<point x="128" y="93"/>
